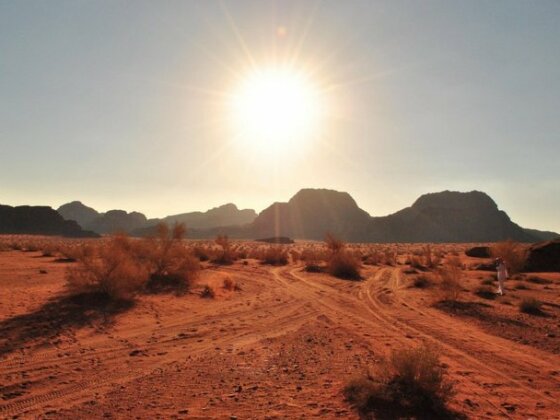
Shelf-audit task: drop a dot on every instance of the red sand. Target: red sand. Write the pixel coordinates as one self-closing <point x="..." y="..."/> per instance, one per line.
<point x="282" y="347"/>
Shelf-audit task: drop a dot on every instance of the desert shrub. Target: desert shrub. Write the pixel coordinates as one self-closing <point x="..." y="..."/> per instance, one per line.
<point x="208" y="292"/>
<point x="108" y="269"/>
<point x="171" y="264"/>
<point x="334" y="244"/>
<point x="411" y="382"/>
<point x="312" y="259"/>
<point x="514" y="254"/>
<point x="228" y="284"/>
<point x="485" y="292"/>
<point x="226" y="255"/>
<point x="344" y="265"/>
<point x="415" y="261"/>
<point x="341" y="262"/>
<point x="488" y="282"/>
<point x="450" y="284"/>
<point x="538" y="280"/>
<point x="422" y="281"/>
<point x="390" y="257"/>
<point x="531" y="306"/>
<point x="520" y="286"/>
<point x="201" y="253"/>
<point x="275" y="255"/>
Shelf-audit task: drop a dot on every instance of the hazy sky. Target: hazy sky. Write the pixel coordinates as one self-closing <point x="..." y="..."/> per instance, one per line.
<point x="123" y="104"/>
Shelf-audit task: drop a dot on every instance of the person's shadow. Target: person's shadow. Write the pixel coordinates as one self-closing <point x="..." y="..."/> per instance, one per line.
<point x="56" y="316"/>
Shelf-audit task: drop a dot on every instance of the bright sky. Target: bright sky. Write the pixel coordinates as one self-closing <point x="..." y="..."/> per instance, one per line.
<point x="128" y="104"/>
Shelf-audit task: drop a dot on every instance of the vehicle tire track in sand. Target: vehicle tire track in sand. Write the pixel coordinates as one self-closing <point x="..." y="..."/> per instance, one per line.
<point x="393" y="314"/>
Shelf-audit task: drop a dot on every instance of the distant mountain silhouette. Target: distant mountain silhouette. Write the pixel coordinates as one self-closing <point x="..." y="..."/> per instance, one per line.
<point x="225" y="215"/>
<point x="137" y="224"/>
<point x="79" y="212"/>
<point x="38" y="220"/>
<point x="310" y="214"/>
<point x="117" y="221"/>
<point x="448" y="216"/>
<point x="543" y="235"/>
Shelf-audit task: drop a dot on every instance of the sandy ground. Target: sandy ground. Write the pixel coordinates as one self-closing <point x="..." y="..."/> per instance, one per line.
<point x="283" y="346"/>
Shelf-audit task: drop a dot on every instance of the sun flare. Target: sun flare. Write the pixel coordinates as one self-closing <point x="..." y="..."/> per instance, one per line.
<point x="274" y="110"/>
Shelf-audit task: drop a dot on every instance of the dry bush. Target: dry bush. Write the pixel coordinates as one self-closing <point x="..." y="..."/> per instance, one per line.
<point x="410" y="383"/>
<point x="275" y="255"/>
<point x="228" y="284"/>
<point x="226" y="255"/>
<point x="171" y="264"/>
<point x="202" y="253"/>
<point x="531" y="306"/>
<point x="415" y="261"/>
<point x="341" y="262"/>
<point x="334" y="244"/>
<point x="344" y="265"/>
<point x="208" y="292"/>
<point x="108" y="269"/>
<point x="312" y="259"/>
<point x="488" y="282"/>
<point x="538" y="280"/>
<point x="422" y="281"/>
<point x="513" y="253"/>
<point x="450" y="281"/>
<point x="485" y="292"/>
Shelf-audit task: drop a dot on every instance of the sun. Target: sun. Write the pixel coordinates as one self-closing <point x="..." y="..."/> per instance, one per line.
<point x="276" y="110"/>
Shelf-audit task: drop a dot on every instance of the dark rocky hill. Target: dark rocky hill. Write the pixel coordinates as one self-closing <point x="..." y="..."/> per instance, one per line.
<point x="310" y="214"/>
<point x="118" y="221"/>
<point x="448" y="216"/>
<point x="79" y="212"/>
<point x="38" y="220"/>
<point x="226" y="215"/>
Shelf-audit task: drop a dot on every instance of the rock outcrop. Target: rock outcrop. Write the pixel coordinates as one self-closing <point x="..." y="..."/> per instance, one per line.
<point x="38" y="220"/>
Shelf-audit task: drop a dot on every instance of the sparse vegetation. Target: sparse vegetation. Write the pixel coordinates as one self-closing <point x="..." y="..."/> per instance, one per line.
<point x="275" y="255"/>
<point x="121" y="267"/>
<point x="225" y="255"/>
<point x="422" y="281"/>
<point x="109" y="269"/>
<point x="486" y="292"/>
<point x="450" y="275"/>
<point x="341" y="263"/>
<point x="208" y="292"/>
<point x="538" y="280"/>
<point x="531" y="306"/>
<point x="410" y="383"/>
<point x="513" y="253"/>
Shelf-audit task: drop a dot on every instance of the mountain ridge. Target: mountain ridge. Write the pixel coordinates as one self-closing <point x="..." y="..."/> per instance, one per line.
<point x="445" y="216"/>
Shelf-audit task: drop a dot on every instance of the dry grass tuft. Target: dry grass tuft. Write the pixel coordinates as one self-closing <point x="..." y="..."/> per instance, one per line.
<point x="275" y="255"/>
<point x="514" y="254"/>
<point x="410" y="383"/>
<point x="531" y="306"/>
<point x="341" y="262"/>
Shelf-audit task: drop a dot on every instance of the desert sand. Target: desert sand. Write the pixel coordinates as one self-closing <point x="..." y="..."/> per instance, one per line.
<point x="281" y="346"/>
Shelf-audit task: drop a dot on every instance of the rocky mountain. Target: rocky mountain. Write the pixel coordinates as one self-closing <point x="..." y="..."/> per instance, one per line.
<point x="543" y="235"/>
<point x="79" y="212"/>
<point x="38" y="220"/>
<point x="448" y="216"/>
<point x="118" y="221"/>
<point x="137" y="224"/>
<point x="225" y="215"/>
<point x="310" y="214"/>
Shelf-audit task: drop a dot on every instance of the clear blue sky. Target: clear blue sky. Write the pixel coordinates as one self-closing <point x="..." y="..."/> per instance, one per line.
<point x="120" y="104"/>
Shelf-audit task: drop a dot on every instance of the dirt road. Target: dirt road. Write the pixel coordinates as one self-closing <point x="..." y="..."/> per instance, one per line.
<point x="283" y="346"/>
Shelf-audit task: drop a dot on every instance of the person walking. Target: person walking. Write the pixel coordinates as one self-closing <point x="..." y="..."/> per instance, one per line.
<point x="502" y="274"/>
